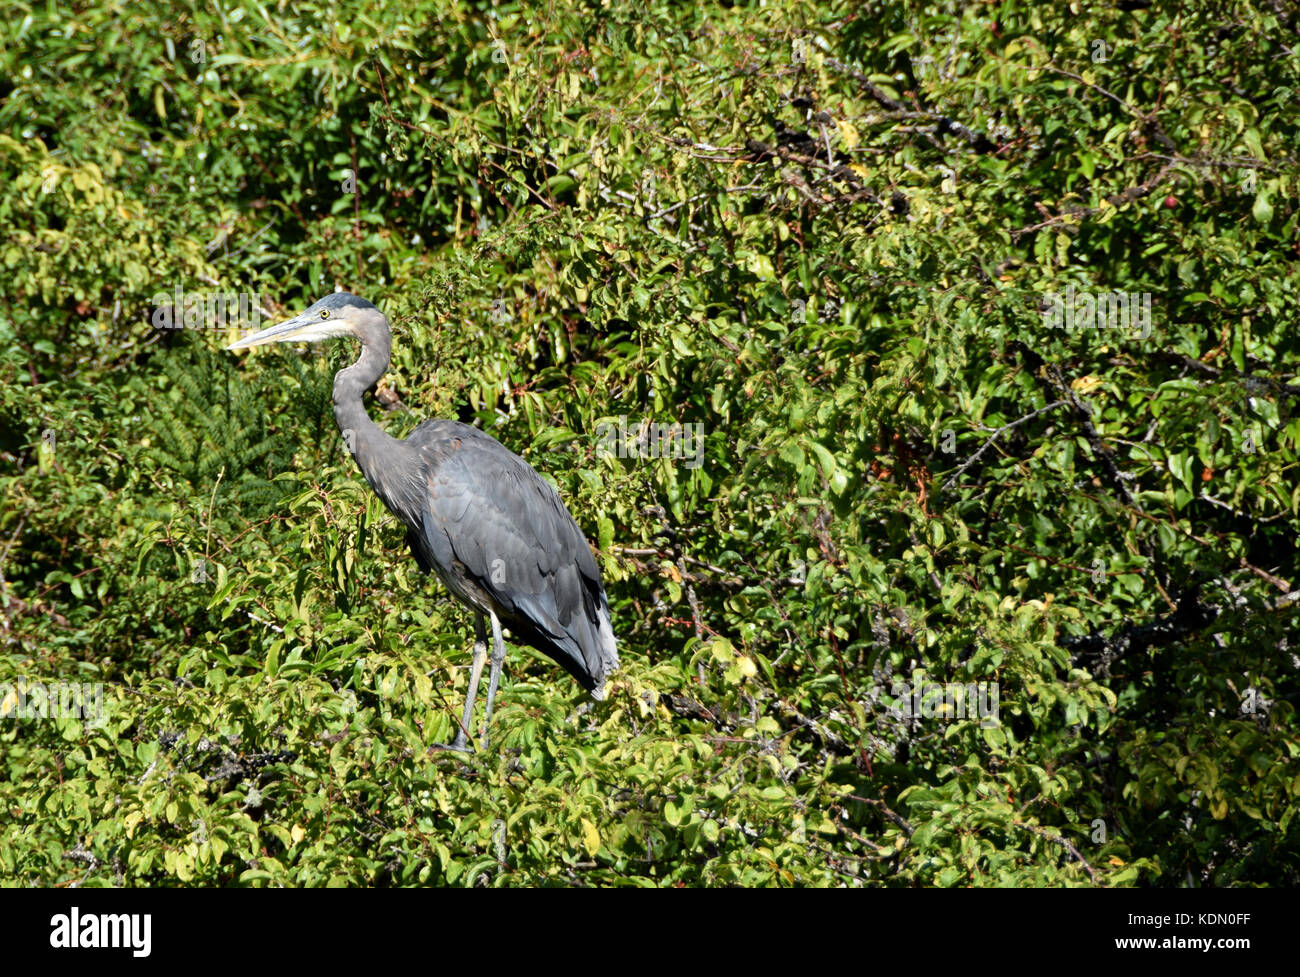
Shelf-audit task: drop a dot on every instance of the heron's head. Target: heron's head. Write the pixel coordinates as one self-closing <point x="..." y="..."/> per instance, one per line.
<point x="340" y="314"/>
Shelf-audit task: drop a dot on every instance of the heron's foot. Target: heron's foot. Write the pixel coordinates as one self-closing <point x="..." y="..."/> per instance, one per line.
<point x="458" y="745"/>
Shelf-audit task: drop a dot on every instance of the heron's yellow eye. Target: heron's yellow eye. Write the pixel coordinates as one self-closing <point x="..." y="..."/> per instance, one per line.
<point x="324" y="313"/>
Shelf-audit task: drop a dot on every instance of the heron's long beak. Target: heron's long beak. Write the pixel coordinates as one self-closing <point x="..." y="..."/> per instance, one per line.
<point x="304" y="328"/>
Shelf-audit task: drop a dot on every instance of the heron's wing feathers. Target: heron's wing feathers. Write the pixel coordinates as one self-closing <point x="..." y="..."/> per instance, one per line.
<point x="498" y="534"/>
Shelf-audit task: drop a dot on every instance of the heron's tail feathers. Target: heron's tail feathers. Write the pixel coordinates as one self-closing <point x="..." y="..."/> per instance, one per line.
<point x="584" y="644"/>
<point x="607" y="650"/>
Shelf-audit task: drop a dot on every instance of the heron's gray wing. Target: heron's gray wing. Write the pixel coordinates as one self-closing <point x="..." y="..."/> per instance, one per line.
<point x="497" y="532"/>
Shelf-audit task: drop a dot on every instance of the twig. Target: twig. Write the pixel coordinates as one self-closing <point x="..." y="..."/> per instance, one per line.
<point x="1000" y="431"/>
<point x="1098" y="652"/>
<point x="887" y="811"/>
<point x="1115" y="200"/>
<point x="1063" y="842"/>
<point x="977" y="140"/>
<point x="1213" y="371"/>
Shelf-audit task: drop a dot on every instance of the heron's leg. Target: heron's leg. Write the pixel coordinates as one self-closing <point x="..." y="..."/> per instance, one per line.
<point x="498" y="656"/>
<point x="475" y="673"/>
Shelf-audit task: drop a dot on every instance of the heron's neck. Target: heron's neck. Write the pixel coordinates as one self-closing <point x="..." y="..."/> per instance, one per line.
<point x="359" y="431"/>
<point x="382" y="459"/>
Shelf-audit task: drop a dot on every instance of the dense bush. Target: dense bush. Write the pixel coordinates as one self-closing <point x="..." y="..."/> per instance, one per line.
<point x="836" y="243"/>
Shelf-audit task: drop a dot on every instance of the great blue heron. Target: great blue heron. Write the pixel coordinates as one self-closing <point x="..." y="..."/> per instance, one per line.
<point x="476" y="514"/>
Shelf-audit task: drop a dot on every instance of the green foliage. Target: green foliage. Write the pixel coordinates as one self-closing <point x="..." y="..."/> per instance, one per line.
<point x="829" y="240"/>
<point x="205" y="433"/>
